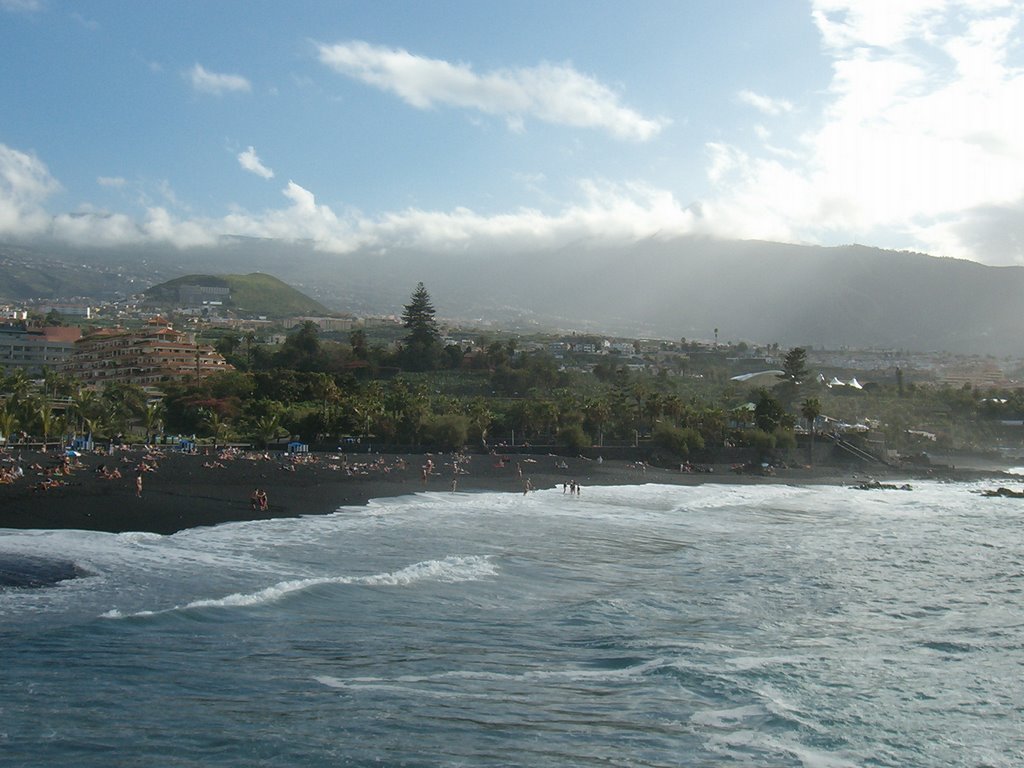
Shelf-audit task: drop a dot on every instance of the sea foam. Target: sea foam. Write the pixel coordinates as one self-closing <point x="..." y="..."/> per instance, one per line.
<point x="451" y="569"/>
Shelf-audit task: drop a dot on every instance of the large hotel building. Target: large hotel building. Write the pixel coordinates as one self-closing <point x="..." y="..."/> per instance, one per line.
<point x="147" y="357"/>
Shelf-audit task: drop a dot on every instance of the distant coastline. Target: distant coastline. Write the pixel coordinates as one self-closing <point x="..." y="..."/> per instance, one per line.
<point x="181" y="491"/>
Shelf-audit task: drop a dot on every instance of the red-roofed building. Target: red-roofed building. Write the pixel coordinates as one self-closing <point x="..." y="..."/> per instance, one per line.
<point x="146" y="357"/>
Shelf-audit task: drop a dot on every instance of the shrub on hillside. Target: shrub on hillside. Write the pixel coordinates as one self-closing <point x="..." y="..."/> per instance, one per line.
<point x="449" y="432"/>
<point x="763" y="442"/>
<point x="680" y="441"/>
<point x="785" y="440"/>
<point x="573" y="438"/>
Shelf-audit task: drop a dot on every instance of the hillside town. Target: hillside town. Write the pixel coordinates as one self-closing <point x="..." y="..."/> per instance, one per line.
<point x="132" y="342"/>
<point x="186" y="360"/>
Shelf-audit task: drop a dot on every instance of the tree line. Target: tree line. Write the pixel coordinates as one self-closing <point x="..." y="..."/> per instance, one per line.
<point x="416" y="396"/>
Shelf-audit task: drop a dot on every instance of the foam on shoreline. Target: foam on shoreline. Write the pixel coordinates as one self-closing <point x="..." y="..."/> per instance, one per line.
<point x="186" y="491"/>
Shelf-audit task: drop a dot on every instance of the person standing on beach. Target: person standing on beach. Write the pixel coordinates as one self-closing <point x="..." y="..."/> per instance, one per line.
<point x="138" y="485"/>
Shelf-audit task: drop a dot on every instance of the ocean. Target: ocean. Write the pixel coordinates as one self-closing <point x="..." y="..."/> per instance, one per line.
<point x="717" y="625"/>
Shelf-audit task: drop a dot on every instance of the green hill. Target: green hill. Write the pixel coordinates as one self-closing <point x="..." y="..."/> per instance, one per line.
<point x="252" y="294"/>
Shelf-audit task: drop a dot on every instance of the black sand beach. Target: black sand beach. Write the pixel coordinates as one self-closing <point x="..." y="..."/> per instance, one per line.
<point x="182" y="491"/>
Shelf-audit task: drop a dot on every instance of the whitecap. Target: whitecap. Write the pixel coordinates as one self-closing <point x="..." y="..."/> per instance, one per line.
<point x="451" y="569"/>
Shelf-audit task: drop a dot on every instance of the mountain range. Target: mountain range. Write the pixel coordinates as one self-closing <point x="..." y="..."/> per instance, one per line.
<point x="853" y="296"/>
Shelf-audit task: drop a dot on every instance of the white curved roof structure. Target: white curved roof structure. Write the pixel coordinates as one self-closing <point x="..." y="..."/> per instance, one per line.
<point x="759" y="377"/>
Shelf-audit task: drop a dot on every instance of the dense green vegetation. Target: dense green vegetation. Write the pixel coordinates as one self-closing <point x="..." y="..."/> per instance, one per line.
<point x="488" y="400"/>
<point x="416" y="393"/>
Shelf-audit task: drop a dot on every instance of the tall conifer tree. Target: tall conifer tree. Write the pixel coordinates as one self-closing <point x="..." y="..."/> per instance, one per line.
<point x="422" y="342"/>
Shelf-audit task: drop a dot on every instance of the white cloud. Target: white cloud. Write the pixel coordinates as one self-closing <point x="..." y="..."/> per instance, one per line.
<point x="604" y="211"/>
<point x="251" y="162"/>
<point x="25" y="184"/>
<point x="215" y="83"/>
<point x="920" y="143"/>
<point x="113" y="229"/>
<point x="921" y="138"/>
<point x="607" y="212"/>
<point x="551" y="93"/>
<point x="110" y="181"/>
<point x="765" y="104"/>
<point x="21" y="6"/>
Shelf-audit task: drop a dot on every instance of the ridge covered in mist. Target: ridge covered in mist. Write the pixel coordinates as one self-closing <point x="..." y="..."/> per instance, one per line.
<point x="854" y="296"/>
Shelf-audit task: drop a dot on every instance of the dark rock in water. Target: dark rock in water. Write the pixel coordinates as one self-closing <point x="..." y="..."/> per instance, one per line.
<point x="26" y="571"/>
<point x="874" y="485"/>
<point x="1005" y="492"/>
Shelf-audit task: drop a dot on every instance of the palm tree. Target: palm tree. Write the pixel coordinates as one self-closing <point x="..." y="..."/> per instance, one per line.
<point x="654" y="407"/>
<point x="712" y="425"/>
<point x="152" y="419"/>
<point x="49" y="382"/>
<point x="18" y="384"/>
<point x="568" y="408"/>
<point x="810" y="409"/>
<point x="46" y="422"/>
<point x="85" y="404"/>
<point x="127" y="401"/>
<point x="327" y="392"/>
<point x="8" y="420"/>
<point x="215" y="425"/>
<point x="598" y="410"/>
<point x="61" y="427"/>
<point x="368" y="406"/>
<point x="267" y="429"/>
<point x="673" y="407"/>
<point x="543" y="413"/>
<point x="480" y="418"/>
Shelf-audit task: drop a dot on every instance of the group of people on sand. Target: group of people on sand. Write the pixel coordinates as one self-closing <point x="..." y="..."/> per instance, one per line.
<point x="258" y="500"/>
<point x="53" y="476"/>
<point x="8" y="475"/>
<point x="572" y="488"/>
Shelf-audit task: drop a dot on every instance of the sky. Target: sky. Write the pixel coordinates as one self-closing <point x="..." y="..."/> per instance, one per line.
<point x="458" y="126"/>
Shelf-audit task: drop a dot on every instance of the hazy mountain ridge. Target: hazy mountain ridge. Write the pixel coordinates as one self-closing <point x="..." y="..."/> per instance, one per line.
<point x="854" y="296"/>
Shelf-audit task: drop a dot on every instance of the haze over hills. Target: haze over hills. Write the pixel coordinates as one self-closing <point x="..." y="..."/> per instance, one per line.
<point x="852" y="296"/>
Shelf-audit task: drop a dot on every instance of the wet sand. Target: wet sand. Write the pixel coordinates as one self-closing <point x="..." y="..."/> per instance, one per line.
<point x="180" y="492"/>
